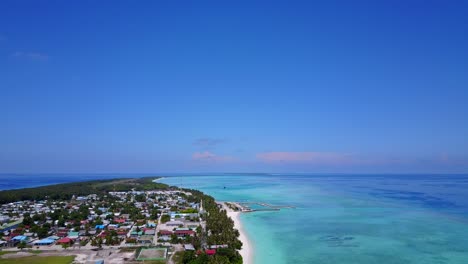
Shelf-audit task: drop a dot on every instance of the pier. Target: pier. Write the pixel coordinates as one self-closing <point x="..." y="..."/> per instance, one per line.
<point x="245" y="207"/>
<point x="270" y="205"/>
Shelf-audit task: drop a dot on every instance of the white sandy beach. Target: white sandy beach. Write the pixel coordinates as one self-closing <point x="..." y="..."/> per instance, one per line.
<point x="246" y="251"/>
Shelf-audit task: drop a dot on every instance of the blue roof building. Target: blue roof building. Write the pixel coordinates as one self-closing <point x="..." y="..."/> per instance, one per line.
<point x="44" y="242"/>
<point x="20" y="238"/>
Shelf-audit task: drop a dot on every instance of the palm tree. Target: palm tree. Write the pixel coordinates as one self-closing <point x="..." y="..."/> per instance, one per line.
<point x="22" y="245"/>
<point x="65" y="246"/>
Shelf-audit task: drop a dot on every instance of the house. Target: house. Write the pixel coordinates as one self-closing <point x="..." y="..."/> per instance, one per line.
<point x="189" y="247"/>
<point x="120" y="220"/>
<point x="165" y="232"/>
<point x="210" y="252"/>
<point x="164" y="238"/>
<point x="112" y="226"/>
<point x="136" y="234"/>
<point x="175" y="223"/>
<point x="150" y="232"/>
<point x="73" y="235"/>
<point x="44" y="242"/>
<point x="62" y="233"/>
<point x="122" y="233"/>
<point x="100" y="227"/>
<point x="29" y="234"/>
<point x="145" y="239"/>
<point x="175" y="215"/>
<point x="218" y="246"/>
<point x="125" y="216"/>
<point x="65" y="240"/>
<point x="192" y="224"/>
<point x="20" y="238"/>
<point x="184" y="233"/>
<point x="151" y="224"/>
<point x="4" y="219"/>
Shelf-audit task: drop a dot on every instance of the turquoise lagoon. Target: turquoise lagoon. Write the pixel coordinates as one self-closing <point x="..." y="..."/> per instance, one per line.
<point x="365" y="219"/>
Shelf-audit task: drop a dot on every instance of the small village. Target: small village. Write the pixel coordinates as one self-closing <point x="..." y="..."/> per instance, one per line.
<point x="120" y="227"/>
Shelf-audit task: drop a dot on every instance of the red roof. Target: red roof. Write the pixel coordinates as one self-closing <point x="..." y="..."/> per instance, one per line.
<point x="210" y="251"/>
<point x="119" y="220"/>
<point x="185" y="232"/>
<point x="65" y="240"/>
<point x="165" y="232"/>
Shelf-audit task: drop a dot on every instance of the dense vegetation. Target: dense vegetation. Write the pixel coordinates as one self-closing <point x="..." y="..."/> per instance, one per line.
<point x="219" y="231"/>
<point x="65" y="191"/>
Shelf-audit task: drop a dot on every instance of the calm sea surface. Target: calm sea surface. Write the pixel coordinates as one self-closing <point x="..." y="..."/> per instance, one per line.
<point x="365" y="219"/>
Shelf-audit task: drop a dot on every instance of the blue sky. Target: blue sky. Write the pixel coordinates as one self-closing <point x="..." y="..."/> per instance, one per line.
<point x="234" y="86"/>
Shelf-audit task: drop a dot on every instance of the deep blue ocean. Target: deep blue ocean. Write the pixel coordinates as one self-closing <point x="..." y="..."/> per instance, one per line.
<point x="365" y="219"/>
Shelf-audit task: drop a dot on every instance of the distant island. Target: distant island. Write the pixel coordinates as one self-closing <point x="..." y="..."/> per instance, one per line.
<point x="65" y="191"/>
<point x="117" y="220"/>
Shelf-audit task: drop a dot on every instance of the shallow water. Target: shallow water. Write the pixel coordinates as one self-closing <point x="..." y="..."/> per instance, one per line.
<point x="385" y="219"/>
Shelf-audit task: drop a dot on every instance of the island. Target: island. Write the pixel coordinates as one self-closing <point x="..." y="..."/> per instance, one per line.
<point x="130" y="220"/>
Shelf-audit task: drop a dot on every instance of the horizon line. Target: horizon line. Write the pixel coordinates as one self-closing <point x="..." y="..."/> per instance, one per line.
<point x="169" y="174"/>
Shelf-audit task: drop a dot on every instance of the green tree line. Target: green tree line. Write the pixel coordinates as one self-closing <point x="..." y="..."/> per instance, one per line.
<point x="65" y="191"/>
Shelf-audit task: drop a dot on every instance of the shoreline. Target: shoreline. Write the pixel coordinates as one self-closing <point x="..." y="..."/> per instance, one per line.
<point x="247" y="246"/>
<point x="247" y="249"/>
